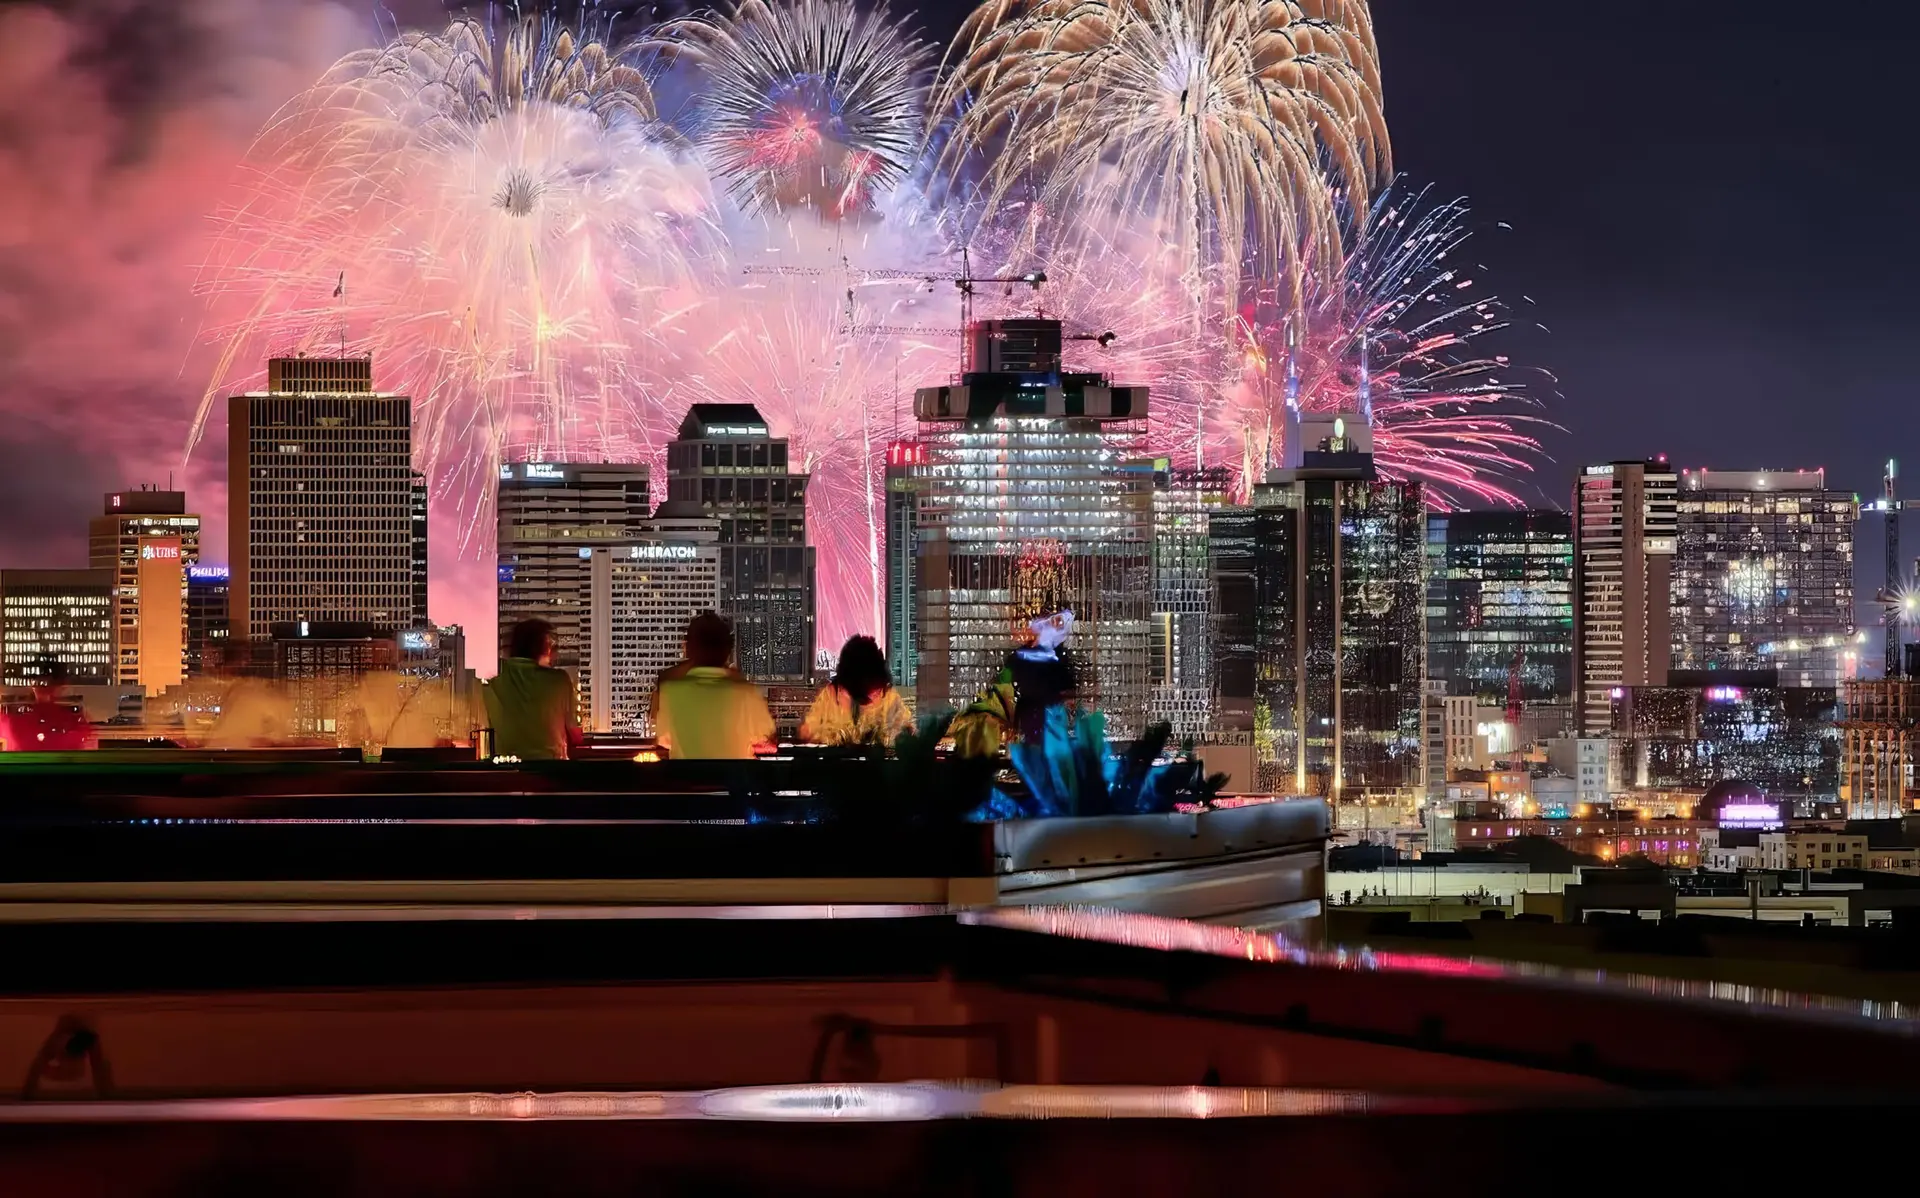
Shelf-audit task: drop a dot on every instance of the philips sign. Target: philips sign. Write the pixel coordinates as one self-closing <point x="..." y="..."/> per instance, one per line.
<point x="209" y="573"/>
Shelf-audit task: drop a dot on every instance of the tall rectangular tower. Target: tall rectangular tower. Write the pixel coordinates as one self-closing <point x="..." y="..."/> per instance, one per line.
<point x="727" y="466"/>
<point x="551" y="516"/>
<point x="1321" y="622"/>
<point x="322" y="524"/>
<point x="1624" y="534"/>
<point x="904" y="462"/>
<point x="149" y="540"/>
<point x="1763" y="575"/>
<point x="1181" y="672"/>
<point x="1028" y="505"/>
<point x="1500" y="589"/>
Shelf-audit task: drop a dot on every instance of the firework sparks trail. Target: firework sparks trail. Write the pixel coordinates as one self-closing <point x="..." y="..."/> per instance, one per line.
<point x="811" y="103"/>
<point x="1216" y="120"/>
<point x="1393" y="334"/>
<point x="808" y="358"/>
<point x="517" y="234"/>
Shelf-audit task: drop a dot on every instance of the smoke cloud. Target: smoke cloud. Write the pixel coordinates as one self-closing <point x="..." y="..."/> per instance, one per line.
<point x="121" y="122"/>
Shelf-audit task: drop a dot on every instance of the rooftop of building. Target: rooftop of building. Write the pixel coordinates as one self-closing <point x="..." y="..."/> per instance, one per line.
<point x="1754" y="480"/>
<point x="705" y="420"/>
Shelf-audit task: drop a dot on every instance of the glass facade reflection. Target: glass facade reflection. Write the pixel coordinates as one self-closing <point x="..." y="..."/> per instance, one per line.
<point x="1763" y="575"/>
<point x="1710" y="727"/>
<point x="1500" y="586"/>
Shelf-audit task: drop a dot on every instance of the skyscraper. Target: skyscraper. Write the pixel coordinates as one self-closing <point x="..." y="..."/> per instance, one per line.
<point x="1500" y="587"/>
<point x="57" y="620"/>
<point x="550" y="514"/>
<point x="1027" y="504"/>
<point x="1320" y="619"/>
<point x="325" y="516"/>
<point x="726" y="466"/>
<point x="1624" y="534"/>
<point x="149" y="540"/>
<point x="902" y="568"/>
<point x="640" y="597"/>
<point x="1763" y="575"/>
<point x="1181" y="670"/>
<point x="207" y="626"/>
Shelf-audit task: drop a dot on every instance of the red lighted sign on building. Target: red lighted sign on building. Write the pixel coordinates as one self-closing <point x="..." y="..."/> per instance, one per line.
<point x="906" y="453"/>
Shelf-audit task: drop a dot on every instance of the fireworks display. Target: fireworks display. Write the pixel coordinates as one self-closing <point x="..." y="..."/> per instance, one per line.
<point x="810" y="103"/>
<point x="555" y="244"/>
<point x="1206" y="120"/>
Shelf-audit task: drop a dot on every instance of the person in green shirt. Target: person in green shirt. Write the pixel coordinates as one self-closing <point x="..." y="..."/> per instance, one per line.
<point x="705" y="709"/>
<point x="530" y="704"/>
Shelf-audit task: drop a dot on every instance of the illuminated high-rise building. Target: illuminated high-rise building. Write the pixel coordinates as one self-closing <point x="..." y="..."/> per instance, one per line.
<point x="1500" y="588"/>
<point x="1027" y="504"/>
<point x="1181" y="670"/>
<point x="904" y="461"/>
<point x="640" y="598"/>
<point x="1763" y="575"/>
<point x="149" y="540"/>
<point x="551" y="514"/>
<point x="58" y="622"/>
<point x="327" y="518"/>
<point x="1624" y="534"/>
<point x="207" y="626"/>
<point x="1708" y="726"/>
<point x="1321" y="622"/>
<point x="726" y="466"/>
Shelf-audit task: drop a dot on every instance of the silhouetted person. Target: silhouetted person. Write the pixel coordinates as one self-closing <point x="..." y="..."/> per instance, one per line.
<point x="860" y="706"/>
<point x="1043" y="674"/>
<point x="708" y="710"/>
<point x="530" y="703"/>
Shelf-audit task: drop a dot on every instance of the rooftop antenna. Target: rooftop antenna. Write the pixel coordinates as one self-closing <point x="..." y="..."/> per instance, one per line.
<point x="340" y="293"/>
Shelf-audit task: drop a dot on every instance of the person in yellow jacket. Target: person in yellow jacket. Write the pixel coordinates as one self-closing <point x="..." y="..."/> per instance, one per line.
<point x="707" y="710"/>
<point x="860" y="706"/>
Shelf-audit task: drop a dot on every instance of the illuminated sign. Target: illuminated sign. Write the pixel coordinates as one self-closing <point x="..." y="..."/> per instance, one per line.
<point x="542" y="470"/>
<point x="906" y="454"/>
<point x="160" y="551"/>
<point x="1723" y="694"/>
<point x="116" y="501"/>
<point x="506" y="472"/>
<point x="209" y="573"/>
<point x="1599" y="469"/>
<point x="662" y="552"/>
<point x="416" y="640"/>
<point x="506" y="573"/>
<point x="1751" y="815"/>
<point x="736" y="430"/>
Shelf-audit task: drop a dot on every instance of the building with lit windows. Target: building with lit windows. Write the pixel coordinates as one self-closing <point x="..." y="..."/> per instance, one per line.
<point x="55" y="622"/>
<point x="327" y="520"/>
<point x="726" y="466"/>
<point x="1880" y="756"/>
<point x="149" y="540"/>
<point x="1181" y="672"/>
<point x="904" y="461"/>
<point x="549" y="515"/>
<point x="1709" y="726"/>
<point x="1334" y="661"/>
<point x="1763" y="575"/>
<point x="1624" y="535"/>
<point x="1500" y="590"/>
<point x="639" y="599"/>
<point x="207" y="611"/>
<point x="1028" y="505"/>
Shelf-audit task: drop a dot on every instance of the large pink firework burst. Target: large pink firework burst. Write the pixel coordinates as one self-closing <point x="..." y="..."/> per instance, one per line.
<point x="1394" y="334"/>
